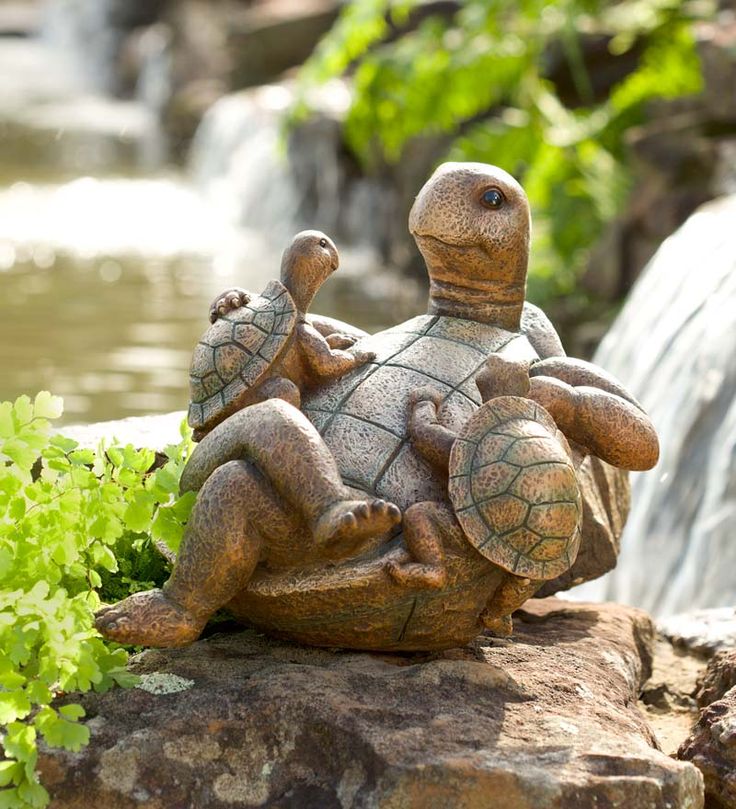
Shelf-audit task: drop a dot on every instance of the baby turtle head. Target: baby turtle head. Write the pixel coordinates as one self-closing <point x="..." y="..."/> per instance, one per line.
<point x="306" y="264"/>
<point x="471" y="223"/>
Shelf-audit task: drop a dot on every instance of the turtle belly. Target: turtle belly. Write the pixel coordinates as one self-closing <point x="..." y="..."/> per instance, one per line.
<point x="363" y="416"/>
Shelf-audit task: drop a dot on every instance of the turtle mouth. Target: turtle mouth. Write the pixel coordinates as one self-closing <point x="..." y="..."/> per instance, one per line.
<point x="428" y="237"/>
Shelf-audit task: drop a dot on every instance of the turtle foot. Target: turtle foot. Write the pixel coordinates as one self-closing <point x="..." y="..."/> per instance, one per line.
<point x="348" y="522"/>
<point x="501" y="627"/>
<point x="148" y="619"/>
<point x="414" y="574"/>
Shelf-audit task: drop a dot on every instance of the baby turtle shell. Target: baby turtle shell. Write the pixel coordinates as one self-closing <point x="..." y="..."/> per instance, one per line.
<point x="514" y="490"/>
<point x="236" y="354"/>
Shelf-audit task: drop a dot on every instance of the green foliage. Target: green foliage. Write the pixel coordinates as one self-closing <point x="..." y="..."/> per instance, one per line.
<point x="481" y="78"/>
<point x="69" y="519"/>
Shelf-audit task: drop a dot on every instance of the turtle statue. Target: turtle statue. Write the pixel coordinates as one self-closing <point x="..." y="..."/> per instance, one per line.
<point x="262" y="346"/>
<point x="296" y="522"/>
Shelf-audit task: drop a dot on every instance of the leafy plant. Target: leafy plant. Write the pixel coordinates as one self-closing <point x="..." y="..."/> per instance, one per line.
<point x="481" y="78"/>
<point x="69" y="518"/>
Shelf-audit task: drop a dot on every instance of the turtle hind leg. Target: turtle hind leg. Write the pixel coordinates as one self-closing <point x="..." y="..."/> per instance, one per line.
<point x="219" y="551"/>
<point x="422" y="535"/>
<point x="279" y="387"/>
<point x="507" y="598"/>
<point x="149" y="618"/>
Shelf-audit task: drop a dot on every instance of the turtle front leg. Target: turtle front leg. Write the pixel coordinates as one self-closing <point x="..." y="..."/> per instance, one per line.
<point x="423" y="530"/>
<point x="613" y="428"/>
<point x="324" y="362"/>
<point x="501" y="376"/>
<point x="431" y="438"/>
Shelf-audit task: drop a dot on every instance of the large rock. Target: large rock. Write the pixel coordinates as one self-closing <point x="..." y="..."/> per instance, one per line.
<point x="544" y="721"/>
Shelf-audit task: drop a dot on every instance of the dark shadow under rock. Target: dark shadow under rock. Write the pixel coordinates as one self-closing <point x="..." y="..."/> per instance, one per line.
<point x="545" y="720"/>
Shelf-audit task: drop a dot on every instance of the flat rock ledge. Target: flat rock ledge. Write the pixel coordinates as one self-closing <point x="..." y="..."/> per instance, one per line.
<point x="547" y="720"/>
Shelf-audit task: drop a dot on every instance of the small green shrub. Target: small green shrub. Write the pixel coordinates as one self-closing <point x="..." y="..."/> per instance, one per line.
<point x="77" y="526"/>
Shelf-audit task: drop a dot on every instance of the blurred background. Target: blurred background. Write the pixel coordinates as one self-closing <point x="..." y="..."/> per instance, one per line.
<point x="156" y="152"/>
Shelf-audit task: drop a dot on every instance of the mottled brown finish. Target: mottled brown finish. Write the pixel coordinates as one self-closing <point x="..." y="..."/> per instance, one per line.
<point x="263" y="346"/>
<point x="296" y="523"/>
<point x="545" y="720"/>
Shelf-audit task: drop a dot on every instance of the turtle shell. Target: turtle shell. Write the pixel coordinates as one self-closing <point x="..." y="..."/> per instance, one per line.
<point x="236" y="354"/>
<point x="514" y="490"/>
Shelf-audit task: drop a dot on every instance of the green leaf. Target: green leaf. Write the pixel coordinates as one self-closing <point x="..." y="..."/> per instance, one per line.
<point x="13" y="705"/>
<point x="10" y="799"/>
<point x="20" y="453"/>
<point x="63" y="443"/>
<point x="7" y="427"/>
<point x="23" y="410"/>
<point x="139" y="512"/>
<point x="46" y="406"/>
<point x="33" y="794"/>
<point x="9" y="770"/>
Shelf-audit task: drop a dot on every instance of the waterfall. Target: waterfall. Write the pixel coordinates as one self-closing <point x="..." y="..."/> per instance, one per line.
<point x="674" y="345"/>
<point x="263" y="178"/>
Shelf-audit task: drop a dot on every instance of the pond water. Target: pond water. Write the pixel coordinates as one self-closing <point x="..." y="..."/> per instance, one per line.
<point x="107" y="269"/>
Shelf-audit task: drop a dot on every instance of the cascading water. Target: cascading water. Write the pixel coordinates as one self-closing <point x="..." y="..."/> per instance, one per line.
<point x="674" y="345"/>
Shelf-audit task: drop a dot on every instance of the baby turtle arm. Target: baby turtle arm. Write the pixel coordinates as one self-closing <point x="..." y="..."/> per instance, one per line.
<point x="432" y="439"/>
<point x="330" y="327"/>
<point x="610" y="427"/>
<point x="325" y="362"/>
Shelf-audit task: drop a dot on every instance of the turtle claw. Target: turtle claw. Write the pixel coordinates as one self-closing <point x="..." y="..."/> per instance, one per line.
<point x="229" y="300"/>
<point x="348" y="522"/>
<point x="414" y="574"/>
<point x="340" y="341"/>
<point x="148" y="619"/>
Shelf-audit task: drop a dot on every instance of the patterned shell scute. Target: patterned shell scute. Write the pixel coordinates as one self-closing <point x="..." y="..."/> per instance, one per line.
<point x="237" y="351"/>
<point x="514" y="489"/>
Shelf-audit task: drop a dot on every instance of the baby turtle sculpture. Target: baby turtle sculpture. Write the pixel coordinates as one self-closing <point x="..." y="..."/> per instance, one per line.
<point x="295" y="526"/>
<point x="262" y="346"/>
<point x="512" y="484"/>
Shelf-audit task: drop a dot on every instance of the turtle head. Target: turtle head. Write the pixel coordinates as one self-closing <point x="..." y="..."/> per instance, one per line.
<point x="471" y="223"/>
<point x="306" y="264"/>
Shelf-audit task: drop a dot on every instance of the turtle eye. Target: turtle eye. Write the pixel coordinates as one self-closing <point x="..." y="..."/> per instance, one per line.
<point x="492" y="198"/>
<point x="323" y="242"/>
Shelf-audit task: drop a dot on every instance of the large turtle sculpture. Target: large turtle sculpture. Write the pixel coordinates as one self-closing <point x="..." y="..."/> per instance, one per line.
<point x="295" y="526"/>
<point x="262" y="346"/>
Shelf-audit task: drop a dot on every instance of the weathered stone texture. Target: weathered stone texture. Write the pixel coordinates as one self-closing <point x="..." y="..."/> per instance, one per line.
<point x="546" y="720"/>
<point x="712" y="749"/>
<point x="719" y="678"/>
